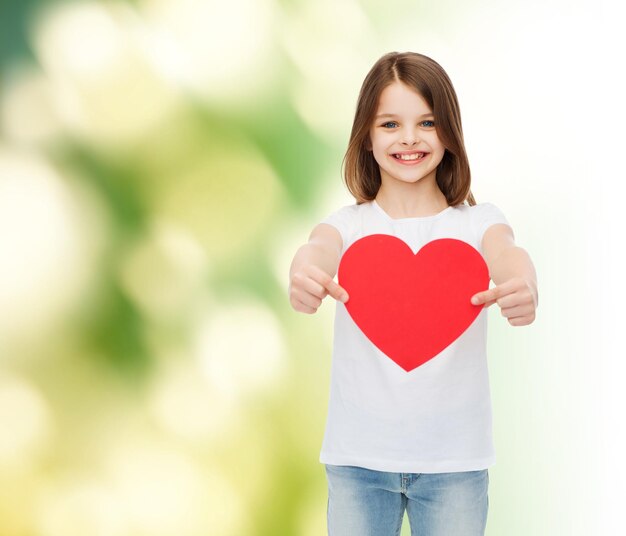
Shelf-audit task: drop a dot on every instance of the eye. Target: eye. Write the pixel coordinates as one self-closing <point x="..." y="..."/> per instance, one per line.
<point x="427" y="124"/>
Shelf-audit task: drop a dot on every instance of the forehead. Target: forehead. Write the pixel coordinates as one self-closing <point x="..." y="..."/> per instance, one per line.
<point x="398" y="98"/>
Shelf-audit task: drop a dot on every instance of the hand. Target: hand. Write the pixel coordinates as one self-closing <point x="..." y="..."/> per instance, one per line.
<point x="309" y="286"/>
<point x="517" y="300"/>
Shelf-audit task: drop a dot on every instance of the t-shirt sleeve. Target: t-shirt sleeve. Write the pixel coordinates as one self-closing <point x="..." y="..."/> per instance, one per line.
<point x="343" y="221"/>
<point x="487" y="214"/>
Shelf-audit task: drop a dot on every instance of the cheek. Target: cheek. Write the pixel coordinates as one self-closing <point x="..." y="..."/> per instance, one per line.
<point x="438" y="150"/>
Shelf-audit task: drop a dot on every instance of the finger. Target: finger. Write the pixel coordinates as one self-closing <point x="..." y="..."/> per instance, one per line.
<point x="508" y="301"/>
<point x="515" y="299"/>
<point x="493" y="294"/>
<point x="519" y="310"/>
<point x="307" y="299"/>
<point x="314" y="288"/>
<point x="522" y="320"/>
<point x="488" y="297"/>
<point x="489" y="303"/>
<point x="336" y="291"/>
<point x="303" y="308"/>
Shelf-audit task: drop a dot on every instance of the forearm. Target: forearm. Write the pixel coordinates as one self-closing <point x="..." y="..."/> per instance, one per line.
<point x="515" y="262"/>
<point x="311" y="253"/>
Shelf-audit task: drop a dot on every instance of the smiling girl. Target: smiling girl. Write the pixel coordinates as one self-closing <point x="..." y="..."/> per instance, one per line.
<point x="417" y="439"/>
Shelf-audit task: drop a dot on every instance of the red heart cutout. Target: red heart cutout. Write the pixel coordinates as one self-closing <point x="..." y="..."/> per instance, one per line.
<point x="412" y="306"/>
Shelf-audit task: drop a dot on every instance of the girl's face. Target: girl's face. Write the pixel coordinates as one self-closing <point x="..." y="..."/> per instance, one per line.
<point x="407" y="127"/>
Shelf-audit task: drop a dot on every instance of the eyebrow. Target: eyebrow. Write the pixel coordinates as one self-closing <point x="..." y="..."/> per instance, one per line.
<point x="394" y="115"/>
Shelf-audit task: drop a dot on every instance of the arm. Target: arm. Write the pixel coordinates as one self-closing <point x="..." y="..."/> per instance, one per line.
<point x="513" y="272"/>
<point x="323" y="249"/>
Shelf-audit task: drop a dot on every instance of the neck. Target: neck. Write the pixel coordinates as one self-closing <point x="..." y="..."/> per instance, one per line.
<point x="411" y="200"/>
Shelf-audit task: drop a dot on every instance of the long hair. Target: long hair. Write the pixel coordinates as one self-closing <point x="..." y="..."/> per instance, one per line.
<point x="360" y="169"/>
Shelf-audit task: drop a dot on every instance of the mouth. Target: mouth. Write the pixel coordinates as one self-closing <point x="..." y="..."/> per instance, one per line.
<point x="409" y="158"/>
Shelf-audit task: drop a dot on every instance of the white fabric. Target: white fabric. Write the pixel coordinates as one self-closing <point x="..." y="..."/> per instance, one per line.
<point x="435" y="418"/>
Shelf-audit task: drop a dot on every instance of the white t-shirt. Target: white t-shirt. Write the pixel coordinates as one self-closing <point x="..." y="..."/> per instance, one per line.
<point x="435" y="418"/>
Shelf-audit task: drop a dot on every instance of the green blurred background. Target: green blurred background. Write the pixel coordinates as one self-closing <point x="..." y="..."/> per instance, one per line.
<point x="160" y="163"/>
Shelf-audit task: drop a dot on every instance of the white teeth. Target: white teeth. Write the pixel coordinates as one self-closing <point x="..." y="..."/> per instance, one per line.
<point x="414" y="156"/>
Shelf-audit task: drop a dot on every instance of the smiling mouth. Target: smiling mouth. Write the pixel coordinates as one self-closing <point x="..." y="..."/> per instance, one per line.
<point x="409" y="157"/>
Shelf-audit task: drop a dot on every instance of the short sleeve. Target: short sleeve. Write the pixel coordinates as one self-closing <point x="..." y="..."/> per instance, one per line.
<point x="343" y="220"/>
<point x="485" y="215"/>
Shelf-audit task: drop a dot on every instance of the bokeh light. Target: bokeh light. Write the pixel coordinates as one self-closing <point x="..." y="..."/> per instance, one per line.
<point x="49" y="262"/>
<point x="220" y="51"/>
<point x="240" y="349"/>
<point x="106" y="91"/>
<point x="164" y="272"/>
<point x="25" y="413"/>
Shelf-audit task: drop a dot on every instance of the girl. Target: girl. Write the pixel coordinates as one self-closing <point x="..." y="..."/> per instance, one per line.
<point x="399" y="437"/>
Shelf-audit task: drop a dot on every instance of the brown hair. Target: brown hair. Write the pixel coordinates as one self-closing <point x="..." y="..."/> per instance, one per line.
<point x="427" y="77"/>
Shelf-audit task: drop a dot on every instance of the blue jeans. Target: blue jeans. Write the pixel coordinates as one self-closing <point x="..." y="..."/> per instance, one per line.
<point x="364" y="502"/>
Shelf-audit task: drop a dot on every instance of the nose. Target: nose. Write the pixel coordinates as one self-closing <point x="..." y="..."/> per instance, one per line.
<point x="409" y="137"/>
